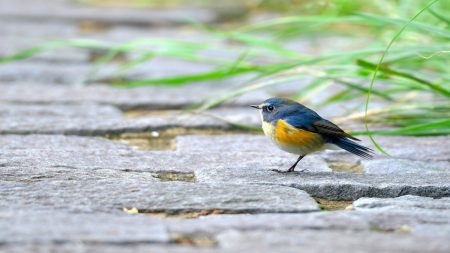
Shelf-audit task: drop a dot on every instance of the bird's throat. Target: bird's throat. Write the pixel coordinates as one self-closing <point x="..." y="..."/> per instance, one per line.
<point x="268" y="129"/>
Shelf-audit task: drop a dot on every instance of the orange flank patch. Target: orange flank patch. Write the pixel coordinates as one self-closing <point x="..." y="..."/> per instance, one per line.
<point x="289" y="135"/>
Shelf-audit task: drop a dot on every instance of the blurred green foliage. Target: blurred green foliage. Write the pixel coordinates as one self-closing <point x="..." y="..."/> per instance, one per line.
<point x="412" y="80"/>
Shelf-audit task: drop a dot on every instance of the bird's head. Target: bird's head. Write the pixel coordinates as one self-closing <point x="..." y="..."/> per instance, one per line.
<point x="276" y="108"/>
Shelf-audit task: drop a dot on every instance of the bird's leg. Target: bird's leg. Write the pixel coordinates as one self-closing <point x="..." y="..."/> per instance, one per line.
<point x="292" y="168"/>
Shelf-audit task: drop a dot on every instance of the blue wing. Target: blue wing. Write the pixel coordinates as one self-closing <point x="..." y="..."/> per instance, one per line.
<point x="311" y="121"/>
<point x="307" y="119"/>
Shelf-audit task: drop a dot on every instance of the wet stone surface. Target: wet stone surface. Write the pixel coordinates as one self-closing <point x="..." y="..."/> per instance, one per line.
<point x="96" y="168"/>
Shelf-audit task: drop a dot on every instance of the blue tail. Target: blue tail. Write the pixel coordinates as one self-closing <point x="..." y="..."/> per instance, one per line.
<point x="354" y="147"/>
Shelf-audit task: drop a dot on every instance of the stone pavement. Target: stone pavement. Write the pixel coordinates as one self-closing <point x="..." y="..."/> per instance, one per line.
<point x="103" y="169"/>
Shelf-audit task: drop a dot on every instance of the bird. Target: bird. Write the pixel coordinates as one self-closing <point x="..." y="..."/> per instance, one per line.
<point x="299" y="130"/>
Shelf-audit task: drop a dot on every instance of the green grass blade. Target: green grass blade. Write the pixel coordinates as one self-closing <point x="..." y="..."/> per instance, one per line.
<point x="389" y="71"/>
<point x="438" y="127"/>
<point x="439" y="16"/>
<point x="416" y="25"/>
<point x="185" y="79"/>
<point x="396" y="36"/>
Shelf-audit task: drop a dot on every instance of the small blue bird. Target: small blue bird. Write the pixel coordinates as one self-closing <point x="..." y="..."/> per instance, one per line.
<point x="299" y="130"/>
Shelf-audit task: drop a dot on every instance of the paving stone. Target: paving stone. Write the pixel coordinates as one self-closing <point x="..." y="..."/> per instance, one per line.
<point x="22" y="34"/>
<point x="45" y="73"/>
<point x="31" y="157"/>
<point x="106" y="247"/>
<point x="409" y="203"/>
<point x="82" y="110"/>
<point x="404" y="166"/>
<point x="27" y="226"/>
<point x="313" y="232"/>
<point x="326" y="241"/>
<point x="416" y="148"/>
<point x="231" y="233"/>
<point x="399" y="219"/>
<point x="397" y="226"/>
<point x="15" y="30"/>
<point x="56" y="119"/>
<point x="338" y="186"/>
<point x="411" y="214"/>
<point x="171" y="197"/>
<point x="252" y="150"/>
<point x="78" y="72"/>
<point x="317" y="221"/>
<point x="89" y="120"/>
<point x="12" y="44"/>
<point x="50" y="156"/>
<point x="256" y="148"/>
<point x="28" y="152"/>
<point x="53" y="154"/>
<point x="145" y="98"/>
<point x="22" y="28"/>
<point x="30" y="174"/>
<point x="432" y="148"/>
<point x="67" y="11"/>
<point x="130" y="100"/>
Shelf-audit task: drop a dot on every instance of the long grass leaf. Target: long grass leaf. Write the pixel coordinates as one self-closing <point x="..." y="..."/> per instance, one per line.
<point x="390" y="71"/>
<point x="374" y="76"/>
<point x="184" y="79"/>
<point x="438" y="127"/>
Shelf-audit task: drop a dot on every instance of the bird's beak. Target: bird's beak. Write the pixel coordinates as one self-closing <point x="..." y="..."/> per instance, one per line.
<point x="255" y="106"/>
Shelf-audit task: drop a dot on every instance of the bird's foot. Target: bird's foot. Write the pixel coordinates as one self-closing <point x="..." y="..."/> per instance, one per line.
<point x="288" y="171"/>
<point x="282" y="171"/>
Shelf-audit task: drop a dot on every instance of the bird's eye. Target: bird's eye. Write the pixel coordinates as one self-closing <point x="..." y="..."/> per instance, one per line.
<point x="269" y="108"/>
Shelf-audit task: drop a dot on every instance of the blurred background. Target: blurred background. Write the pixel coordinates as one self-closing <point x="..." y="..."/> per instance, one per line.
<point x="125" y="125"/>
<point x="199" y="54"/>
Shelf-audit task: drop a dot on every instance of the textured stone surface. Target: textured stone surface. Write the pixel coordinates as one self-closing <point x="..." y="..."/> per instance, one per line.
<point x="215" y="224"/>
<point x="252" y="151"/>
<point x="148" y="196"/>
<point x="150" y="97"/>
<point x="410" y="203"/>
<point x="408" y="214"/>
<point x="92" y="119"/>
<point x="140" y="247"/>
<point x="271" y="241"/>
<point x="44" y="73"/>
<point x="401" y="148"/>
<point x="368" y="229"/>
<point x="339" y="185"/>
<point x="396" y="166"/>
<point x="416" y="148"/>
<point x="328" y="241"/>
<point x="34" y="155"/>
<point x="22" y="226"/>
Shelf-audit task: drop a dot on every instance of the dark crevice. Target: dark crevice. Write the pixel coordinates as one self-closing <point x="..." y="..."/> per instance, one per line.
<point x="195" y="213"/>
